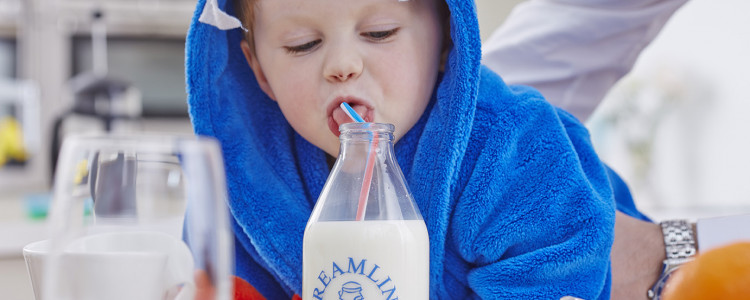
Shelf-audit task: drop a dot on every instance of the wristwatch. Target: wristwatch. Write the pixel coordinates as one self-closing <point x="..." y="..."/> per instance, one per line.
<point x="679" y="242"/>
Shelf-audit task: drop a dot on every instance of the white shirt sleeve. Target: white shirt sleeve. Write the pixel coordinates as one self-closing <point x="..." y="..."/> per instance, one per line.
<point x="574" y="51"/>
<point x="721" y="231"/>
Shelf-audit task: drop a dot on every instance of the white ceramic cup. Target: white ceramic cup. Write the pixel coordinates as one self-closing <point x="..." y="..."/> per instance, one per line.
<point x="35" y="256"/>
<point x="116" y="265"/>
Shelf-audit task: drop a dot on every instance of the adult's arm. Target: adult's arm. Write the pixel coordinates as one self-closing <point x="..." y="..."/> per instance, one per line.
<point x="637" y="255"/>
<point x="638" y="249"/>
<point x="574" y="51"/>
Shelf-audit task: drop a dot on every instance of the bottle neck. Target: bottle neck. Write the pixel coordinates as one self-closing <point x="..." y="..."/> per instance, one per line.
<point x="366" y="182"/>
<point x="363" y="141"/>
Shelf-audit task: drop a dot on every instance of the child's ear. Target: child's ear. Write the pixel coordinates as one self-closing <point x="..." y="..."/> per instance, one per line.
<point x="252" y="60"/>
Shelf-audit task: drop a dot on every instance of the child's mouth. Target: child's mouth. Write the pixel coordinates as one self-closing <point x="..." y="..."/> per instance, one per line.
<point x="338" y="117"/>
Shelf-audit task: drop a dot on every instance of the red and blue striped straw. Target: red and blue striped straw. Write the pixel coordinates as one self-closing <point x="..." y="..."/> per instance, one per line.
<point x="364" y="193"/>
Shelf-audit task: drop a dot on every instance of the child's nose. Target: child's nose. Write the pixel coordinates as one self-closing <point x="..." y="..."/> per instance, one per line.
<point x="342" y="64"/>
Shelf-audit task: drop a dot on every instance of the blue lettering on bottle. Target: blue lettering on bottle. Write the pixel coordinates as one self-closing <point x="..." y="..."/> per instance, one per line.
<point x="317" y="293"/>
<point x="384" y="282"/>
<point x="392" y="291"/>
<point x="324" y="279"/>
<point x="360" y="266"/>
<point x="373" y="272"/>
<point x="336" y="269"/>
<point x="354" y="286"/>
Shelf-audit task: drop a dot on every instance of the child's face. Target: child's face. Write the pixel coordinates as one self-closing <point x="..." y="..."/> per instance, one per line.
<point x="380" y="56"/>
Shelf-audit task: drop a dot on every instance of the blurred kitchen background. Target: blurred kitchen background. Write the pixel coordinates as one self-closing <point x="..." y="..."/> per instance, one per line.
<point x="676" y="129"/>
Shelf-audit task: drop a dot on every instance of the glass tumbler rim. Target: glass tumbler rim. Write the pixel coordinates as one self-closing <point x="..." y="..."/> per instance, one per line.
<point x="160" y="142"/>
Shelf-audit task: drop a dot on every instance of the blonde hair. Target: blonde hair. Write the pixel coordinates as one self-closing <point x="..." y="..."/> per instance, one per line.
<point x="245" y="12"/>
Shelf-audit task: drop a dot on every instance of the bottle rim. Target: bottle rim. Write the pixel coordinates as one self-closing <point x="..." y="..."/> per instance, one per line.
<point x="354" y="128"/>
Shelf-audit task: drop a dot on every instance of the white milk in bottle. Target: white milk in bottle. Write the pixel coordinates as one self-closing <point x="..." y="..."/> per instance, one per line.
<point x="365" y="238"/>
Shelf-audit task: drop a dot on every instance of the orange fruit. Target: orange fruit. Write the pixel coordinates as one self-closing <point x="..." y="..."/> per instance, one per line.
<point x="720" y="273"/>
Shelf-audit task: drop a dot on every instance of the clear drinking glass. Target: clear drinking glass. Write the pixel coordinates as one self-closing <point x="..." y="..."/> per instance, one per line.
<point x="137" y="217"/>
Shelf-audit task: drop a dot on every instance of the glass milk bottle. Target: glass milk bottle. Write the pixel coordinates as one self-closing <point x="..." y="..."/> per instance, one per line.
<point x="365" y="238"/>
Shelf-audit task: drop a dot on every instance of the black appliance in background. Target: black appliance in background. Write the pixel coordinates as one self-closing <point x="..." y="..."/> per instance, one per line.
<point x="96" y="93"/>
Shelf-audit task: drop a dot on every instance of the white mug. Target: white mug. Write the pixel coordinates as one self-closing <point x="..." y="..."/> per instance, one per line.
<point x="117" y="265"/>
<point x="35" y="255"/>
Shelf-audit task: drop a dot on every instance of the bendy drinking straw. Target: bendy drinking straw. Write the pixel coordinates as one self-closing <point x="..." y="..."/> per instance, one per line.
<point x="367" y="180"/>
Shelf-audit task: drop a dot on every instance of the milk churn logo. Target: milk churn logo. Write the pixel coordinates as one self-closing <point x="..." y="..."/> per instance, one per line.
<point x="354" y="279"/>
<point x="351" y="291"/>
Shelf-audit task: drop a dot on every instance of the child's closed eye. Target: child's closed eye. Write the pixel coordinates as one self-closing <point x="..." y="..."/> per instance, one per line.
<point x="380" y="35"/>
<point x="306" y="47"/>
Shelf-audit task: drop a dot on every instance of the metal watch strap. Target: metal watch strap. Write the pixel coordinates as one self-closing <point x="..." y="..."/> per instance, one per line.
<point x="680" y="247"/>
<point x="679" y="240"/>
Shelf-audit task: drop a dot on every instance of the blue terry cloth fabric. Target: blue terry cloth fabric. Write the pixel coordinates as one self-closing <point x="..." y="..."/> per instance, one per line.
<point x="516" y="202"/>
<point x="623" y="198"/>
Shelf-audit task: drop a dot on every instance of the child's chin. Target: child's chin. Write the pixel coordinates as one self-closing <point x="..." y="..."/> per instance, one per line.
<point x="329" y="146"/>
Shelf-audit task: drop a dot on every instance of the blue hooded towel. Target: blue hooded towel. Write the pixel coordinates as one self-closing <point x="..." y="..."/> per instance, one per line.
<point x="516" y="202"/>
